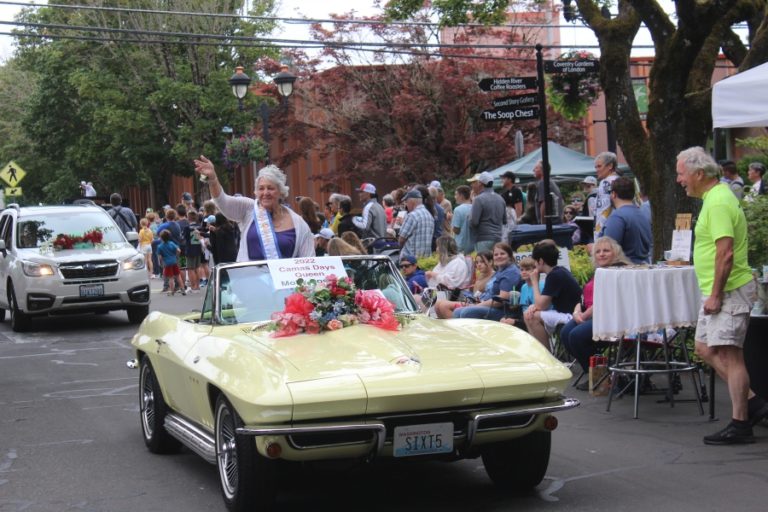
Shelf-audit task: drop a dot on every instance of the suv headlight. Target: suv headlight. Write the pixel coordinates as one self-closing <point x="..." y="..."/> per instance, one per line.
<point x="134" y="263"/>
<point x="34" y="269"/>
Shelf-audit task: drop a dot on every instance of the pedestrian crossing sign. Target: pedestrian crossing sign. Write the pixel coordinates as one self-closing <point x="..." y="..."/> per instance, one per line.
<point x="12" y="174"/>
<point x="12" y="191"/>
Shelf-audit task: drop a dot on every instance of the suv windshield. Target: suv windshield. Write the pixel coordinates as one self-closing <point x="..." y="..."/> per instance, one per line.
<point x="35" y="230"/>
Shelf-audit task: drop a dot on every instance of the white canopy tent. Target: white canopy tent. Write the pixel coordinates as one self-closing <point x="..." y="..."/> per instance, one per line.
<point x="741" y="100"/>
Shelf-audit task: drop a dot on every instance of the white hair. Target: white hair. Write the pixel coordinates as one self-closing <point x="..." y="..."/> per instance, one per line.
<point x="696" y="158"/>
<point x="274" y="174"/>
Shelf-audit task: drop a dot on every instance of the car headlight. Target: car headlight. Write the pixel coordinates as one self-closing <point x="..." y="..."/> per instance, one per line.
<point x="134" y="263"/>
<point x="34" y="269"/>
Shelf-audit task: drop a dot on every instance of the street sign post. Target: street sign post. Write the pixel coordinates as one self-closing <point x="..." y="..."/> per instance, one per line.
<point x="507" y="84"/>
<point x="12" y="174"/>
<point x="572" y="66"/>
<point x="508" y="114"/>
<point x="521" y="100"/>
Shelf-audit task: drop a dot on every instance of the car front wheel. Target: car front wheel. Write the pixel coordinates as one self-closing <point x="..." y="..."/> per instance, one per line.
<point x="153" y="410"/>
<point x="19" y="320"/>
<point x="247" y="479"/>
<point x="519" y="464"/>
<point x="136" y="314"/>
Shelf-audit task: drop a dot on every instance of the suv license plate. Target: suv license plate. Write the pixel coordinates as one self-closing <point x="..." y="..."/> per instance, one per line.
<point x="91" y="290"/>
<point x="422" y="439"/>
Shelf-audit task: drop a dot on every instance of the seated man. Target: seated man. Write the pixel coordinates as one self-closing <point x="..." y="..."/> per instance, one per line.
<point x="561" y="291"/>
<point x="414" y="276"/>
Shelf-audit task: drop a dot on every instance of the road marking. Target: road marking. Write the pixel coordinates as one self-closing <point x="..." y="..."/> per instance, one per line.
<point x="74" y="394"/>
<point x="58" y="361"/>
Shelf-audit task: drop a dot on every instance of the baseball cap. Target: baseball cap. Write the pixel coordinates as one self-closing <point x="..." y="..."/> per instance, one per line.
<point x="186" y="196"/>
<point x="510" y="175"/>
<point x="325" y="233"/>
<point x="413" y="194"/>
<point x="435" y="183"/>
<point x="591" y="180"/>
<point x="409" y="259"/>
<point x="211" y="219"/>
<point x="483" y="177"/>
<point x="367" y="187"/>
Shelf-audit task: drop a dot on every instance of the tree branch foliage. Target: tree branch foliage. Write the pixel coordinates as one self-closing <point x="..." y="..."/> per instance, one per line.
<point x="119" y="112"/>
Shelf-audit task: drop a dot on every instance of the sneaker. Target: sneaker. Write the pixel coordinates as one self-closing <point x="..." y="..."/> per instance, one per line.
<point x="170" y="294"/>
<point x="731" y="434"/>
<point x="183" y="292"/>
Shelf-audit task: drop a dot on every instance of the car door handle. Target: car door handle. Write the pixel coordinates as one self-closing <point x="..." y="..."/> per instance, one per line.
<point x="160" y="342"/>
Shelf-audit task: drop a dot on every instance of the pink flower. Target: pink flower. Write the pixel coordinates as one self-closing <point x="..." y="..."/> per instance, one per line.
<point x="334" y="325"/>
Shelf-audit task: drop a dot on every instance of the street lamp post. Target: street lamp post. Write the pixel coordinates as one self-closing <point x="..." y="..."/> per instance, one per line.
<point x="284" y="81"/>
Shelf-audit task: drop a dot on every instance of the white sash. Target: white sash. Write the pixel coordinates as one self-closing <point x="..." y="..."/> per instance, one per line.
<point x="266" y="232"/>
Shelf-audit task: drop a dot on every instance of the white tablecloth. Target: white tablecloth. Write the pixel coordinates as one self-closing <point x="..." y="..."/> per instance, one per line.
<point x="638" y="300"/>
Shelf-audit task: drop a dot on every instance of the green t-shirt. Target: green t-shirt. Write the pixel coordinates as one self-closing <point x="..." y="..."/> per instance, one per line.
<point x="720" y="216"/>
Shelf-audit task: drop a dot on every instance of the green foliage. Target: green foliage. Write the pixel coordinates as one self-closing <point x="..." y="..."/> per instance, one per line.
<point x="427" y="262"/>
<point x="571" y="94"/>
<point x="452" y="12"/>
<point x="757" y="143"/>
<point x="581" y="264"/>
<point x="245" y="149"/>
<point x="757" y="230"/>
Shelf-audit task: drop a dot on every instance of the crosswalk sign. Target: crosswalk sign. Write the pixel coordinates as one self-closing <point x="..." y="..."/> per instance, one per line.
<point x="12" y="191"/>
<point x="12" y="174"/>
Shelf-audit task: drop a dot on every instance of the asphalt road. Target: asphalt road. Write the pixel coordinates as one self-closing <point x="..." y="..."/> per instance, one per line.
<point x="70" y="441"/>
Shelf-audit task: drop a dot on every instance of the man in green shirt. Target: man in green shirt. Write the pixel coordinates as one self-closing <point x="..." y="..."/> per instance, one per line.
<point x="727" y="288"/>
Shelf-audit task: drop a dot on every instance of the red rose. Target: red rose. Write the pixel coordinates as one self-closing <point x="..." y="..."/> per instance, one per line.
<point x="298" y="304"/>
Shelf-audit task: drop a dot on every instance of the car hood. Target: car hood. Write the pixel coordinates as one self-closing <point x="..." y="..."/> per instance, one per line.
<point x="428" y="364"/>
<point x="115" y="251"/>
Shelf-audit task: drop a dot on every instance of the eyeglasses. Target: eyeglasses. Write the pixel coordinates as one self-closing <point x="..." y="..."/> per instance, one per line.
<point x="405" y="265"/>
<point x="570" y="214"/>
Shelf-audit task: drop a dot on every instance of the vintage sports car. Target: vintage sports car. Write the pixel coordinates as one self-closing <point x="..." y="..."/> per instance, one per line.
<point x="346" y="368"/>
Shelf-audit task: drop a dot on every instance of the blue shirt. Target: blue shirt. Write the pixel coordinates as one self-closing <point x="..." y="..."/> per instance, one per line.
<point x="506" y="279"/>
<point x="632" y="230"/>
<point x="167" y="251"/>
<point x="417" y="281"/>
<point x="418" y="227"/>
<point x="461" y="220"/>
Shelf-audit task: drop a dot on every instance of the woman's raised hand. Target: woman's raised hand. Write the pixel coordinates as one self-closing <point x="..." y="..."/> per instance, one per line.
<point x="204" y="168"/>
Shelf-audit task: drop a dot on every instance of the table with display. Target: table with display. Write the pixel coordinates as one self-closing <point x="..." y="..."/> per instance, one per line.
<point x="637" y="304"/>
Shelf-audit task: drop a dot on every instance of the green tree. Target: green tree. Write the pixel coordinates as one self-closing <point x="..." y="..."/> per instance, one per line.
<point x="138" y="105"/>
<point x="686" y="51"/>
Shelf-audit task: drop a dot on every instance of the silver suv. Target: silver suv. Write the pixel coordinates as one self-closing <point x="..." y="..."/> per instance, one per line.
<point x="49" y="264"/>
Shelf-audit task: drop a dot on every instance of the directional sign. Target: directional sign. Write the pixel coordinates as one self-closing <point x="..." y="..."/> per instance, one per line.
<point x="572" y="66"/>
<point x="508" y="83"/>
<point x="522" y="113"/>
<point x="12" y="174"/>
<point x="521" y="100"/>
<point x="12" y="191"/>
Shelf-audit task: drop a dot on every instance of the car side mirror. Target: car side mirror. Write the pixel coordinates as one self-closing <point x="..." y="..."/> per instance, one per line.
<point x="132" y="236"/>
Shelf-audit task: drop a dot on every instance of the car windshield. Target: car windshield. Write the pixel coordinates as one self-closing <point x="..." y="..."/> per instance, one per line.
<point x="35" y="230"/>
<point x="248" y="294"/>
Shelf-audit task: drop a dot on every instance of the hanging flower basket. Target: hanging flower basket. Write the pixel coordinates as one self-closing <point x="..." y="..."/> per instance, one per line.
<point x="244" y="149"/>
<point x="571" y="94"/>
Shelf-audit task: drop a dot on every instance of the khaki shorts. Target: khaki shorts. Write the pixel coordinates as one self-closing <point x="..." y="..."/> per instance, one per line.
<point x="729" y="325"/>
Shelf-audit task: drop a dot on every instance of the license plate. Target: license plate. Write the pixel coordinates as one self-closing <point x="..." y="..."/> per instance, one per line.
<point x="91" y="290"/>
<point x="423" y="439"/>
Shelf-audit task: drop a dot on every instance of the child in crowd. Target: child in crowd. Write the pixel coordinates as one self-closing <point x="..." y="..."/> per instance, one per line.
<point x="168" y="253"/>
<point x="145" y="244"/>
<point x="527" y="267"/>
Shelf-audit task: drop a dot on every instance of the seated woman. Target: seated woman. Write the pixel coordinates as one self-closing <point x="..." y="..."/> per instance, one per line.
<point x="352" y="239"/>
<point x="452" y="271"/>
<point x="506" y="279"/>
<point x="482" y="289"/>
<point x="576" y="335"/>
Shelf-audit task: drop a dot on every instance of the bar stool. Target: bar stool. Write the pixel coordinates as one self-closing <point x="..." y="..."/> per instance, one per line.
<point x="646" y="362"/>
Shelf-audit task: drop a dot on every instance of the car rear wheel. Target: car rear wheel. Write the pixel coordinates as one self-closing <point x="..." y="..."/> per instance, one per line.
<point x="19" y="320"/>
<point x="153" y="410"/>
<point x="136" y="314"/>
<point x="519" y="464"/>
<point x="247" y="479"/>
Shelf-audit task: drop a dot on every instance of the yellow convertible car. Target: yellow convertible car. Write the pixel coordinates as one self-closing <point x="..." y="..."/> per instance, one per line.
<point x="320" y="359"/>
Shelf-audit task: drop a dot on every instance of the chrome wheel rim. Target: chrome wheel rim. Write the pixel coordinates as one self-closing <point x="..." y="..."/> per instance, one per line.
<point x="226" y="451"/>
<point x="147" y="401"/>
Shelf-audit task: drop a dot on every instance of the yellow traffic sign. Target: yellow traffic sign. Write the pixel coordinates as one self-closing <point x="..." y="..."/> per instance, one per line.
<point x="12" y="174"/>
<point x="12" y="191"/>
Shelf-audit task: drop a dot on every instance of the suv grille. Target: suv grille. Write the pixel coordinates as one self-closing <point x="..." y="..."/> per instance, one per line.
<point x="89" y="269"/>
